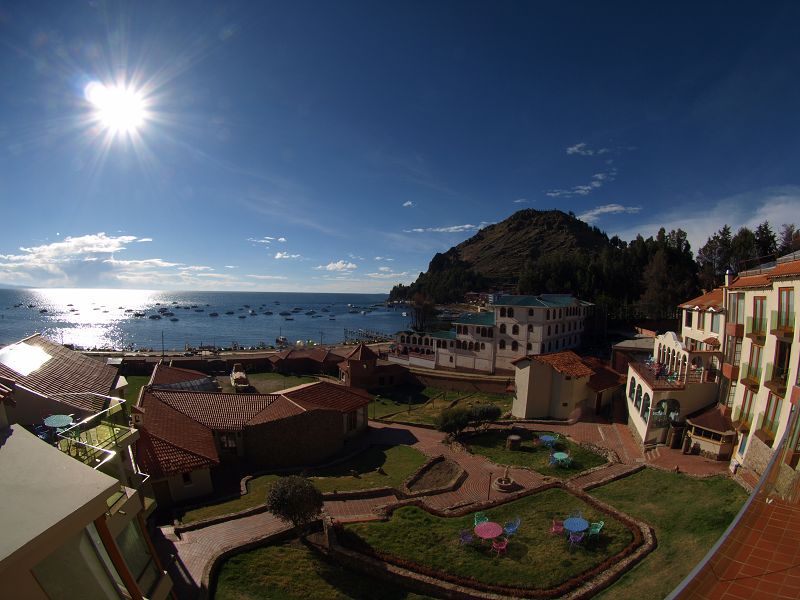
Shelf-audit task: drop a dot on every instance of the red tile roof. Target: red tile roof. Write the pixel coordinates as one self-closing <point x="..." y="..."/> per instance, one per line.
<point x="171" y="442"/>
<point x="750" y="281"/>
<point x="281" y="408"/>
<point x="167" y="375"/>
<point x="567" y="363"/>
<point x="66" y="372"/>
<point x="786" y="269"/>
<point x="326" y="395"/>
<point x="712" y="299"/>
<point x="604" y="377"/>
<point x="711" y="341"/>
<point x="7" y="391"/>
<point x="215" y="410"/>
<point x="362" y="352"/>
<point x="712" y="418"/>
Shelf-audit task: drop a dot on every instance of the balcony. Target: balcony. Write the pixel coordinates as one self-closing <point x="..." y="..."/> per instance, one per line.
<point x="734" y="329"/>
<point x="741" y="422"/>
<point x="97" y="439"/>
<point x="776" y="379"/>
<point x="765" y="431"/>
<point x="730" y="372"/>
<point x="781" y="325"/>
<point x="757" y="330"/>
<point x="656" y="382"/>
<point x="751" y="376"/>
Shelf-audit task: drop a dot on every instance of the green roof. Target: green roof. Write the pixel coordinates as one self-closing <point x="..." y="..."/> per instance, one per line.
<point x="541" y="301"/>
<point x="444" y="335"/>
<point x="481" y="318"/>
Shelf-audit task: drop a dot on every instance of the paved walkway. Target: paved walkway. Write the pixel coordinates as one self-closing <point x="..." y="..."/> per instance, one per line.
<point x="197" y="549"/>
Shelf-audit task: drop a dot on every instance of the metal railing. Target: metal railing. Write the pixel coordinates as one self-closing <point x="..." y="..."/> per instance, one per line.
<point x="781" y="322"/>
<point x="750" y="374"/>
<point x="756" y="326"/>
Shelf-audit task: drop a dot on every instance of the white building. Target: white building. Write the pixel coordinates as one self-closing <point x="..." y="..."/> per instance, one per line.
<point x="489" y="342"/>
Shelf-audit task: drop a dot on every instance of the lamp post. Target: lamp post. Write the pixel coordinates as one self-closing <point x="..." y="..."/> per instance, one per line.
<point x="489" y="489"/>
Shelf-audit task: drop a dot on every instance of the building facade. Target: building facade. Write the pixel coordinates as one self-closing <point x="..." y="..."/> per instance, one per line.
<point x="489" y="342"/>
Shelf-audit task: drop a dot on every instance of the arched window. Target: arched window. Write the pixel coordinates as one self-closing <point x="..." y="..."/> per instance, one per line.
<point x="502" y="327"/>
<point x="491" y="332"/>
<point x="483" y="346"/>
<point x="548" y="329"/>
<point x="402" y="339"/>
<point x="514" y="346"/>
<point x="515" y="330"/>
<point x="646" y="408"/>
<point x="530" y="312"/>
<point x="471" y="346"/>
<point x="632" y="388"/>
<point x="549" y="346"/>
<point x="451" y="344"/>
<point x="638" y="401"/>
<point x="529" y="347"/>
<point x="503" y="311"/>
<point x="414" y="340"/>
<point x="560" y="313"/>
<point x="548" y="315"/>
<point x="510" y="312"/>
<point x="502" y="344"/>
<point x="530" y="328"/>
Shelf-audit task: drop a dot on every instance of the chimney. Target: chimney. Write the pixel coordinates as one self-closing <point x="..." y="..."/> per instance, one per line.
<point x="728" y="277"/>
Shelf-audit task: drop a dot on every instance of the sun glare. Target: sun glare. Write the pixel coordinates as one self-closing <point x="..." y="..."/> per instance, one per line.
<point x="118" y="108"/>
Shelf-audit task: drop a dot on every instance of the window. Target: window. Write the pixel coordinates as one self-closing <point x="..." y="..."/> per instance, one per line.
<point x="227" y="441"/>
<point x="530" y="328"/>
<point x="733" y="351"/>
<point x="736" y="308"/>
<point x="785" y="309"/>
<point x="514" y="346"/>
<point x="638" y="401"/>
<point x="483" y="346"/>
<point x="772" y="414"/>
<point x="491" y="332"/>
<point x="716" y="321"/>
<point x="754" y="370"/>
<point x="632" y="388"/>
<point x="502" y="344"/>
<point x="646" y="408"/>
<point x="510" y="312"/>
<point x="759" y="314"/>
<point x="137" y="556"/>
<point x="529" y="347"/>
<point x="530" y="312"/>
<point x="502" y="328"/>
<point x="548" y="330"/>
<point x="515" y="330"/>
<point x="701" y="320"/>
<point x="548" y="314"/>
<point x="687" y="318"/>
<point x="503" y="312"/>
<point x="747" y="406"/>
<point x="187" y="478"/>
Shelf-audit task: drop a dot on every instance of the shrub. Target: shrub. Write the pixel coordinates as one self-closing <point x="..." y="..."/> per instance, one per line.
<point x="481" y="415"/>
<point x="295" y="499"/>
<point x="453" y="420"/>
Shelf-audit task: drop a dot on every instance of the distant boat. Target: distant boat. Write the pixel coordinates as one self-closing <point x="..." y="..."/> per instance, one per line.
<point x="252" y="312"/>
<point x="289" y="318"/>
<point x="267" y="312"/>
<point x="332" y="318"/>
<point x="311" y="312"/>
<point x="242" y="316"/>
<point x="67" y="305"/>
<point x="405" y="314"/>
<point x="173" y="319"/>
<point x="154" y="317"/>
<point x="44" y="310"/>
<point x="214" y="314"/>
<point x="284" y="313"/>
<point x="229" y="312"/>
<point x="138" y="314"/>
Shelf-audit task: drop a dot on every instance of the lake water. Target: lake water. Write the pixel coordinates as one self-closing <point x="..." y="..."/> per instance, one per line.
<point x="96" y="318"/>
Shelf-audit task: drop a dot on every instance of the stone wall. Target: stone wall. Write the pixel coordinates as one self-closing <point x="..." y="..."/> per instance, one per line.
<point x="757" y="455"/>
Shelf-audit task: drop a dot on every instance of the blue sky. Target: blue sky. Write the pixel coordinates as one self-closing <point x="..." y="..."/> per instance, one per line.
<point x="322" y="146"/>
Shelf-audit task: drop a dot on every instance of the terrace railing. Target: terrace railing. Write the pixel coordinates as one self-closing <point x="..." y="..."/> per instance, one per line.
<point x="776" y="379"/>
<point x="781" y="324"/>
<point x="757" y="329"/>
<point x="751" y="376"/>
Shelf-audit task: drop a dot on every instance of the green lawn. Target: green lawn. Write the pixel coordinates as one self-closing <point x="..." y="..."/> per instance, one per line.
<point x="535" y="559"/>
<point x="688" y="516"/>
<point x="266" y="383"/>
<point x="291" y="571"/>
<point x="398" y="462"/>
<point x="415" y="405"/>
<point x="491" y="444"/>
<point x="135" y="383"/>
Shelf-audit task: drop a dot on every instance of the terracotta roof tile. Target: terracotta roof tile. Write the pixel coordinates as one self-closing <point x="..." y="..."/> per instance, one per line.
<point x="711" y="341"/>
<point x="786" y="269"/>
<point x="332" y="396"/>
<point x="712" y="418"/>
<point x="281" y="408"/>
<point x="712" y="299"/>
<point x="66" y="372"/>
<point x="160" y="458"/>
<point x="215" y="410"/>
<point x="167" y="375"/>
<point x="755" y="281"/>
<point x="604" y="376"/>
<point x="566" y="363"/>
<point x="362" y="352"/>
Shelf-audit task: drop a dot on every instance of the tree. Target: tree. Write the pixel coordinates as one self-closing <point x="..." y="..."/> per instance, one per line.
<point x="766" y="243"/>
<point x="295" y="499"/>
<point x="453" y="421"/>
<point x="743" y="249"/>
<point x="481" y="415"/>
<point x="790" y="239"/>
<point x="422" y="309"/>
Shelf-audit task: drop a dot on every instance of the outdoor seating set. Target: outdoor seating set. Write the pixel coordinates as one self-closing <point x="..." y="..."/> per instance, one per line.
<point x="52" y="426"/>
<point x="560" y="459"/>
<point x="660" y="370"/>
<point x="484" y="529"/>
<point x="576" y="529"/>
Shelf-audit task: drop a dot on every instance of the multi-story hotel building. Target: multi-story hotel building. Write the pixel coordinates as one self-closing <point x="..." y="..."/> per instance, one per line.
<point x="489" y="342"/>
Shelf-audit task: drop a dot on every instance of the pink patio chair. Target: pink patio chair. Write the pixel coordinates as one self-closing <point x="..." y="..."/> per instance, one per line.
<point x="557" y="527"/>
<point x="500" y="546"/>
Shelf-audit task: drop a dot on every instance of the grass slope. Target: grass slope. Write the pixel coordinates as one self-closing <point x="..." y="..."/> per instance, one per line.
<point x="688" y="516"/>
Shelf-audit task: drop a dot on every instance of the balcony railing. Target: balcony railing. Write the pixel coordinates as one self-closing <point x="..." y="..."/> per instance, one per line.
<point x="781" y="324"/>
<point x="751" y="376"/>
<point x="776" y="379"/>
<point x="757" y="329"/>
<point x="765" y="431"/>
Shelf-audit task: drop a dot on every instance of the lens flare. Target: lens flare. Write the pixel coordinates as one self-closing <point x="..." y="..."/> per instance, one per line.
<point x="118" y="108"/>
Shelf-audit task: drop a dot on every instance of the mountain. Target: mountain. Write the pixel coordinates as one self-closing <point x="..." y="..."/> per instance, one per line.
<point x="535" y="252"/>
<point x="500" y="253"/>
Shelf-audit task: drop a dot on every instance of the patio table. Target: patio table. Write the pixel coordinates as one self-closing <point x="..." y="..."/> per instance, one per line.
<point x="576" y="524"/>
<point x="489" y="530"/>
<point x="561" y="457"/>
<point x="58" y="421"/>
<point x="547" y="440"/>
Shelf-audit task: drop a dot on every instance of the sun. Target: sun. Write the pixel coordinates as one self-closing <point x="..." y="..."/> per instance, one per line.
<point x="119" y="109"/>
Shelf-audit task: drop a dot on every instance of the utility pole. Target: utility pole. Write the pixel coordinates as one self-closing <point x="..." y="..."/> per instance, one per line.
<point x="489" y="490"/>
<point x="162" y="343"/>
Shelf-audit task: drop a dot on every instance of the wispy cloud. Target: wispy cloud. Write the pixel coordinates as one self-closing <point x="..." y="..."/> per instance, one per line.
<point x="282" y="239"/>
<point x="590" y="216"/>
<point x="379" y="258"/>
<point x="387" y="274"/>
<point x="267" y="277"/>
<point x="521" y="201"/>
<point x="597" y="181"/>
<point x="231" y="267"/>
<point x="355" y="256"/>
<point x="285" y="255"/>
<point x="145" y="239"/>
<point x="264" y="240"/>
<point x="583" y="149"/>
<point x="408" y="204"/>
<point x="196" y="268"/>
<point x="339" y="265"/>
<point x="146" y="263"/>
<point x="448" y="229"/>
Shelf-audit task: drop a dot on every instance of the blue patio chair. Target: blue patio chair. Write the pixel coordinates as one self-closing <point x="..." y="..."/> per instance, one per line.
<point x="480" y="518"/>
<point x="465" y="537"/>
<point x="511" y="527"/>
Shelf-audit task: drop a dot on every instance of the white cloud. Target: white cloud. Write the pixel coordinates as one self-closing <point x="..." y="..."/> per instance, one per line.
<point x="408" y="204"/>
<point x="383" y="258"/>
<point x="778" y="205"/>
<point x="281" y="255"/>
<point x="521" y="201"/>
<point x="355" y="257"/>
<point x="231" y="267"/>
<point x="264" y="240"/>
<point x="282" y="239"/>
<point x="583" y="149"/>
<point x="597" y="181"/>
<point x="146" y="263"/>
<point x="267" y="277"/>
<point x="196" y="268"/>
<point x="339" y="265"/>
<point x="590" y="216"/>
<point x="387" y="274"/>
<point x="449" y="229"/>
<point x="145" y="240"/>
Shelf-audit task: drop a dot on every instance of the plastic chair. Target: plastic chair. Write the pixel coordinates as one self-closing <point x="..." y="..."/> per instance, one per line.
<point x="574" y="539"/>
<point x="557" y="528"/>
<point x="511" y="527"/>
<point x="480" y="518"/>
<point x="465" y="537"/>
<point x="596" y="528"/>
<point x="553" y="460"/>
<point x="500" y="546"/>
